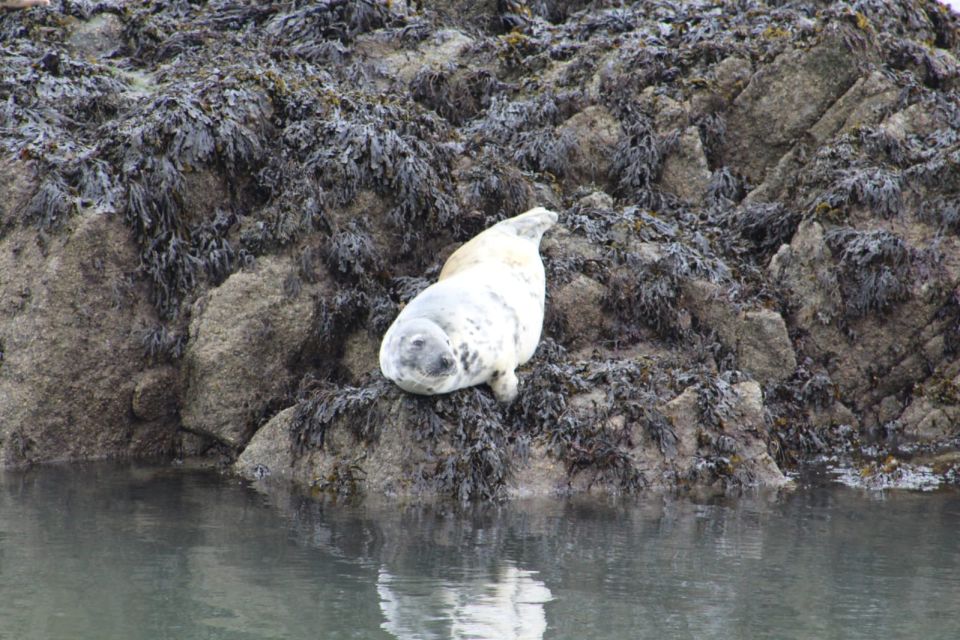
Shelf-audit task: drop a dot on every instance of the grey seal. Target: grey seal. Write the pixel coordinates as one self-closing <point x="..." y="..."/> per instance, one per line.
<point x="480" y="320"/>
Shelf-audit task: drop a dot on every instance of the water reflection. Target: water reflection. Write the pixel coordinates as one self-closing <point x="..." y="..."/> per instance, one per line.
<point x="103" y="551"/>
<point x="506" y="606"/>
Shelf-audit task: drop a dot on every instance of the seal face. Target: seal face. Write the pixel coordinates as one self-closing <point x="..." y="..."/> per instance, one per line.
<point x="480" y="320"/>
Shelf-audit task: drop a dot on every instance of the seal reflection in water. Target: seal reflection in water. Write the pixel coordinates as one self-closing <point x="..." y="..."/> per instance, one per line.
<point x="480" y="320"/>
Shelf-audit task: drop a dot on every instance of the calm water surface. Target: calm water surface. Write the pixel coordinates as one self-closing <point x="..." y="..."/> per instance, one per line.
<point x="106" y="551"/>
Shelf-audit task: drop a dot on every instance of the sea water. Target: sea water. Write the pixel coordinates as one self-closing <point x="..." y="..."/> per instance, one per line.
<point x="127" y="551"/>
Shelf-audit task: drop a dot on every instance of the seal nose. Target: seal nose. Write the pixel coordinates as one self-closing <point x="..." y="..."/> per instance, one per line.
<point x="442" y="365"/>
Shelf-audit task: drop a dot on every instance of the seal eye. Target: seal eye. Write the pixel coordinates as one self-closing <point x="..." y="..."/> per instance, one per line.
<point x="417" y="343"/>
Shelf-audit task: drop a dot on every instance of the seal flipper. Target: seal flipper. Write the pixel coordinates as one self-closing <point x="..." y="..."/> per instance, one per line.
<point x="532" y="224"/>
<point x="505" y="385"/>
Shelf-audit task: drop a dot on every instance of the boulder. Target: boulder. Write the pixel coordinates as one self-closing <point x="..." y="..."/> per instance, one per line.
<point x="759" y="337"/>
<point x="243" y="336"/>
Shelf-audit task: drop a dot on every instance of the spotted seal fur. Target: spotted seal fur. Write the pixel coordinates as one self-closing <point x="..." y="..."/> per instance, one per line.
<point x="480" y="320"/>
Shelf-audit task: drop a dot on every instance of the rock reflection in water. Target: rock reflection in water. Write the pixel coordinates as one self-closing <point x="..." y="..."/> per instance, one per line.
<point x="504" y="606"/>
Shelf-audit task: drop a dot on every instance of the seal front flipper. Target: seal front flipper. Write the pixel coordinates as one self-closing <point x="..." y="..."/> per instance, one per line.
<point x="505" y="385"/>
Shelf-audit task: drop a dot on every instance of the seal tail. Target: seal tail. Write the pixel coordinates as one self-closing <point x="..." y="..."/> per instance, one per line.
<point x="532" y="224"/>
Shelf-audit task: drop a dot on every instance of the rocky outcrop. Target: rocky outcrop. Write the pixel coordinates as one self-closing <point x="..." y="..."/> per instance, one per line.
<point x="211" y="213"/>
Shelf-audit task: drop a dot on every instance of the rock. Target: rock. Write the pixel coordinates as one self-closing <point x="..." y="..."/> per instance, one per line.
<point x="745" y="459"/>
<point x="759" y="338"/>
<point x="442" y="48"/>
<point x="732" y="74"/>
<point x="270" y="451"/>
<point x="835" y="415"/>
<point x="71" y="316"/>
<point x="156" y="394"/>
<point x="361" y="355"/>
<point x="580" y="304"/>
<point x="242" y="336"/>
<point x="389" y="466"/>
<point x="594" y="133"/>
<point x="764" y="349"/>
<point x="925" y="421"/>
<point x="685" y="172"/>
<point x="785" y="98"/>
<point x="863" y="104"/>
<point x="803" y="268"/>
<point x="98" y="37"/>
<point x="252" y="206"/>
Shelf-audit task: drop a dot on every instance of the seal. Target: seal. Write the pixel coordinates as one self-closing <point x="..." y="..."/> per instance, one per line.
<point x="480" y="320"/>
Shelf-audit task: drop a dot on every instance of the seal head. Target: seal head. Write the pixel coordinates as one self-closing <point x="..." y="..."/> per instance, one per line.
<point x="418" y="356"/>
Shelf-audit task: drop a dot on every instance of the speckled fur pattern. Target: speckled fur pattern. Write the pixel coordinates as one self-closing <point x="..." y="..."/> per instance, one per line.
<point x="480" y="320"/>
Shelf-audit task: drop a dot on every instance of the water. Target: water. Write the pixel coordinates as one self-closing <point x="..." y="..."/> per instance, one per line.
<point x="105" y="551"/>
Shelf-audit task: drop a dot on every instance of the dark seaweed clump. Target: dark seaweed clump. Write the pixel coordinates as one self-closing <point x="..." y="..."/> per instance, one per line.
<point x="874" y="269"/>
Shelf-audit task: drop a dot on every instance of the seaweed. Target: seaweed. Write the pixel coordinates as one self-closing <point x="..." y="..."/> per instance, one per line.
<point x="766" y="226"/>
<point x="726" y="187"/>
<point x="648" y="293"/>
<point x="481" y="462"/>
<point x="379" y="147"/>
<point x="637" y="158"/>
<point x="874" y="269"/>
<point x="358" y="407"/>
<point x="162" y="345"/>
<point x="879" y="189"/>
<point x="342" y="20"/>
<point x="350" y="253"/>
<point x="455" y="95"/>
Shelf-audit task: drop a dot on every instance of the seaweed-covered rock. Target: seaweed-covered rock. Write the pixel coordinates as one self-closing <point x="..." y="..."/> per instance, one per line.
<point x="211" y="212"/>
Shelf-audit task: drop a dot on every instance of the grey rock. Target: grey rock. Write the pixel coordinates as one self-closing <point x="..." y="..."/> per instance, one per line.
<point x="685" y="172"/>
<point x="785" y="98"/>
<point x="242" y="336"/>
